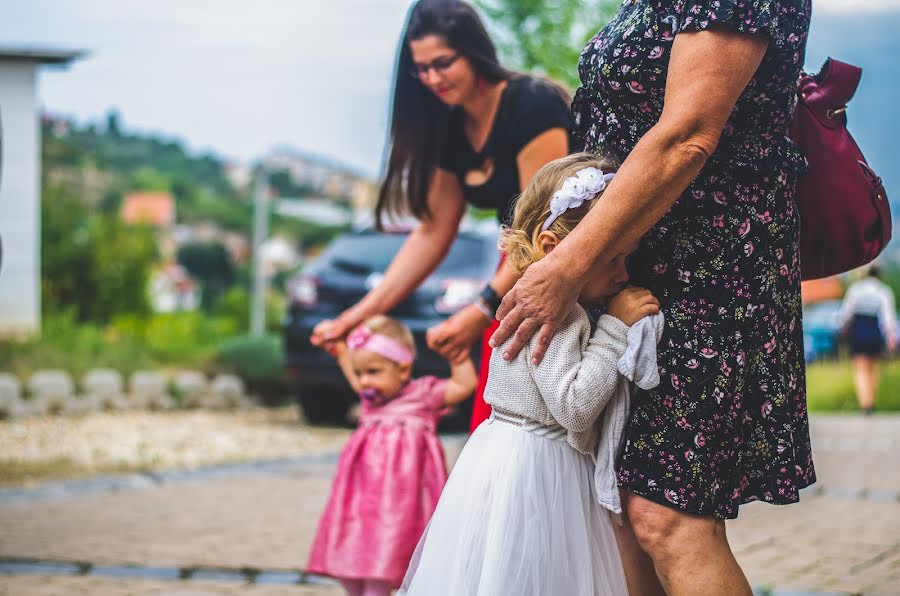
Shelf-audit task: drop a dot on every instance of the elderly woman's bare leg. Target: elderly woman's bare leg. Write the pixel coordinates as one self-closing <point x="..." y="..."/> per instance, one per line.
<point x="690" y="553"/>
<point x="640" y="574"/>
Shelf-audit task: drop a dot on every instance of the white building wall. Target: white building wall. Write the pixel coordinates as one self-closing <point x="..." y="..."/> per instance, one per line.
<point x="19" y="200"/>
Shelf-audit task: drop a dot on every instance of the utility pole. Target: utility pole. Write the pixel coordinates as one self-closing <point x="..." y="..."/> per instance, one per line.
<point x="260" y="233"/>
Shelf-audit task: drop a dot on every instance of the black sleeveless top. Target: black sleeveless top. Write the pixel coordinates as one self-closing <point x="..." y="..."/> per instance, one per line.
<point x="528" y="107"/>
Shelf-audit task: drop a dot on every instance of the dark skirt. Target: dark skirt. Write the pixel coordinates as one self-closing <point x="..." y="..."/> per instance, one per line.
<point x="865" y="337"/>
<point x="727" y="424"/>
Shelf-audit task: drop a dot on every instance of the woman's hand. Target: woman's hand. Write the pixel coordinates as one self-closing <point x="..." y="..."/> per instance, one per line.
<point x="454" y="338"/>
<point x="632" y="304"/>
<point x="326" y="334"/>
<point x="540" y="300"/>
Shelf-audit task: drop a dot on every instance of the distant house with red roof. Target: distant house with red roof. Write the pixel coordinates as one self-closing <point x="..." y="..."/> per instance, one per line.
<point x="156" y="209"/>
<point x="173" y="289"/>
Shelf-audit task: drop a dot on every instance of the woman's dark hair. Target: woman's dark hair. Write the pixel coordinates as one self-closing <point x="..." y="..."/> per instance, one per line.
<point x="874" y="271"/>
<point x="419" y="120"/>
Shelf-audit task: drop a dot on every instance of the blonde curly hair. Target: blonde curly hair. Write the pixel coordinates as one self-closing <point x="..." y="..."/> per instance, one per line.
<point x="519" y="241"/>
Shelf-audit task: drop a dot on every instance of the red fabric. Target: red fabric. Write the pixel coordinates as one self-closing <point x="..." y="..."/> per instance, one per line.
<point x="481" y="411"/>
<point x="845" y="217"/>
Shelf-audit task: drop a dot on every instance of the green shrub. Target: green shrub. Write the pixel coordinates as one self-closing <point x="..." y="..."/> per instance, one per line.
<point x="253" y="358"/>
<point x="75" y="347"/>
<point x="235" y="304"/>
<point x="182" y="338"/>
<point x="259" y="361"/>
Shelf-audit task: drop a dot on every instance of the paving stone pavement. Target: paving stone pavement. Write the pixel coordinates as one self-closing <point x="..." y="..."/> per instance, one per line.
<point x="34" y="585"/>
<point x="843" y="537"/>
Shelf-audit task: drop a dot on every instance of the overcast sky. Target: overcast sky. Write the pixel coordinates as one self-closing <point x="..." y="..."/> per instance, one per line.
<point x="235" y="76"/>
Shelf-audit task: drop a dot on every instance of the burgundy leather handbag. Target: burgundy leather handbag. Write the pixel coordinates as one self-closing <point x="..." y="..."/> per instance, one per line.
<point x="845" y="217"/>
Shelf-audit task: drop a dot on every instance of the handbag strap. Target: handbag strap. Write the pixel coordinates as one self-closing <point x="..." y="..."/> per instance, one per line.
<point x="830" y="90"/>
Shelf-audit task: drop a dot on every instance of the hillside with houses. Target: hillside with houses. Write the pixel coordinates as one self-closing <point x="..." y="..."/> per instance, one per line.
<point x="146" y="251"/>
<point x="195" y="209"/>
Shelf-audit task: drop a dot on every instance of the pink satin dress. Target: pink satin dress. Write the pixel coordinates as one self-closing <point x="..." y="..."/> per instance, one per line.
<point x="388" y="482"/>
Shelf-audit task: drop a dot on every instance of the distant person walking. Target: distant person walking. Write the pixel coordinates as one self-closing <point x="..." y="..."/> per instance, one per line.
<point x="464" y="131"/>
<point x="870" y="324"/>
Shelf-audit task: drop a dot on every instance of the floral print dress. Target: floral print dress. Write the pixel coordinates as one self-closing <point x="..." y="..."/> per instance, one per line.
<point x="728" y="423"/>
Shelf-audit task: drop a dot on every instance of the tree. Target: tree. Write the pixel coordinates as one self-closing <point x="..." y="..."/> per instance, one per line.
<point x="283" y="184"/>
<point x="91" y="263"/>
<point x="123" y="259"/>
<point x="113" y="123"/>
<point x="147" y="178"/>
<point x="211" y="265"/>
<point x="66" y="253"/>
<point x="546" y="36"/>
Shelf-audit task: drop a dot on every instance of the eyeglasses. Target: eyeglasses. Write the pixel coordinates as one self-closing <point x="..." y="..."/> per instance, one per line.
<point x="439" y="65"/>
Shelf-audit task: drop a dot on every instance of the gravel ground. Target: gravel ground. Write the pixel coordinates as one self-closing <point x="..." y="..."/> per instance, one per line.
<point x="162" y="440"/>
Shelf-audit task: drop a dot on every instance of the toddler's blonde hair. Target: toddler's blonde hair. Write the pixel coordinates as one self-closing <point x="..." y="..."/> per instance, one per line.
<point x="384" y="325"/>
<point x="520" y="240"/>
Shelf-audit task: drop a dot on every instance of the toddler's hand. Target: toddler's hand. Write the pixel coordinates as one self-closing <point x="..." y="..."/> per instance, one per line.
<point x="632" y="304"/>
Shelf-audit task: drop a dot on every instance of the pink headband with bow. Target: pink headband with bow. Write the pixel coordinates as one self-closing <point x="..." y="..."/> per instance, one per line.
<point x="362" y="338"/>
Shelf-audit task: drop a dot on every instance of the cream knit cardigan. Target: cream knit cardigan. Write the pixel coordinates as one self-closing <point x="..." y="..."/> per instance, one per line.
<point x="573" y="383"/>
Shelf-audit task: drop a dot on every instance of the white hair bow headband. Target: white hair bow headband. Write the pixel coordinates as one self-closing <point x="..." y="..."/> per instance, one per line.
<point x="583" y="186"/>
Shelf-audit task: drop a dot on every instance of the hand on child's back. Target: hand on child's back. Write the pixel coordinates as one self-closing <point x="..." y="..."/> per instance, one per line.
<point x="632" y="304"/>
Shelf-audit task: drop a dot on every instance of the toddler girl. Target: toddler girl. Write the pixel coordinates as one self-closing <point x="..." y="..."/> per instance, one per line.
<point x="392" y="470"/>
<point x="521" y="513"/>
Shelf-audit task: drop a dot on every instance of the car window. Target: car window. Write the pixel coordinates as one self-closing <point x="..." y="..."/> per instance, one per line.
<point x="363" y="254"/>
<point x="368" y="253"/>
<point x="464" y="253"/>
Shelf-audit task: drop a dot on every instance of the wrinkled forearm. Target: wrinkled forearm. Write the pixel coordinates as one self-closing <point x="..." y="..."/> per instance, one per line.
<point x="651" y="179"/>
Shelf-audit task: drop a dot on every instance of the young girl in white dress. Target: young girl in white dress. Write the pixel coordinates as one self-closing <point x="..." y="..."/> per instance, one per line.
<point x="520" y="512"/>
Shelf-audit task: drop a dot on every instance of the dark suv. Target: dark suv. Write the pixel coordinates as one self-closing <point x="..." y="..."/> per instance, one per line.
<point x="353" y="264"/>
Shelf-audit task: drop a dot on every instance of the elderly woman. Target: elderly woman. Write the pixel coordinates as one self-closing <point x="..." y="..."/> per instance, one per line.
<point x="695" y="98"/>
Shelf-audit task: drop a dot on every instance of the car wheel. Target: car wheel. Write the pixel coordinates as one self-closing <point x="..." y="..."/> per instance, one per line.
<point x="324" y="404"/>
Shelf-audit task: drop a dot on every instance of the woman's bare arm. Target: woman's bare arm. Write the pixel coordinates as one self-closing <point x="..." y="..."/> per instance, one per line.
<point x="542" y="149"/>
<point x="419" y="256"/>
<point x="425" y="248"/>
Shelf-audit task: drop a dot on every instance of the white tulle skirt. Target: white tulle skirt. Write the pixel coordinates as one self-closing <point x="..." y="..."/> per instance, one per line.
<point x="517" y="516"/>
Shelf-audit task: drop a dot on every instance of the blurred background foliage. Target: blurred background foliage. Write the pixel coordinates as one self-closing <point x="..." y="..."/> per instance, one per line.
<point x="96" y="269"/>
<point x="545" y="36"/>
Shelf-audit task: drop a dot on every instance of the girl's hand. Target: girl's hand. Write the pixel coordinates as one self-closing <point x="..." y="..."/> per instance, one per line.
<point x="453" y="339"/>
<point x="632" y="304"/>
<point x="540" y="300"/>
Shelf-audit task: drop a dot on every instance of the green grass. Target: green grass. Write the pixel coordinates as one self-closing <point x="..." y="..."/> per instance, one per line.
<point x="74" y="347"/>
<point x="829" y="387"/>
<point x="19" y="473"/>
